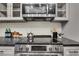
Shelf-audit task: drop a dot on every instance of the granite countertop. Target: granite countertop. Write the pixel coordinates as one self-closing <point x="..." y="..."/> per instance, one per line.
<point x="69" y="42"/>
<point x="5" y="43"/>
<point x="65" y="42"/>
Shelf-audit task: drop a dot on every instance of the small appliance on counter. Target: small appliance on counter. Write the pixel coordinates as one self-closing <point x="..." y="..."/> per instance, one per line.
<point x="57" y="37"/>
<point x="16" y="36"/>
<point x="60" y="36"/>
<point x="8" y="35"/>
<point x="11" y="36"/>
<point x="30" y="37"/>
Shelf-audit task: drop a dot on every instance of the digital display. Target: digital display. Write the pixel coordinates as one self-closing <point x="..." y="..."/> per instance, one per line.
<point x="38" y="48"/>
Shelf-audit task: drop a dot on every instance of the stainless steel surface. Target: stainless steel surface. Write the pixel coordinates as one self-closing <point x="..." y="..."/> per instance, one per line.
<point x="27" y="49"/>
<point x="39" y="54"/>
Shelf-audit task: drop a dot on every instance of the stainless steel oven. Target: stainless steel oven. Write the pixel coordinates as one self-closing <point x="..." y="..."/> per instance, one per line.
<point x="38" y="49"/>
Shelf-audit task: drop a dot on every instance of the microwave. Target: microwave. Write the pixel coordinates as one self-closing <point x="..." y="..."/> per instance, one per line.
<point x="35" y="11"/>
<point x="39" y="8"/>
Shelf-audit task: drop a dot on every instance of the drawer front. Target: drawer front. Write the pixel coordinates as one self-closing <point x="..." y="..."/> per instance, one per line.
<point x="71" y="51"/>
<point x="38" y="54"/>
<point x="6" y="51"/>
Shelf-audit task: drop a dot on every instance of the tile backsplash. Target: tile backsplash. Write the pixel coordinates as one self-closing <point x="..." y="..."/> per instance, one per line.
<point x="38" y="28"/>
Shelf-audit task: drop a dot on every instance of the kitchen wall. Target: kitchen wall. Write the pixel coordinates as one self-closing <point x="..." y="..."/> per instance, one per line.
<point x="71" y="29"/>
<point x="38" y="28"/>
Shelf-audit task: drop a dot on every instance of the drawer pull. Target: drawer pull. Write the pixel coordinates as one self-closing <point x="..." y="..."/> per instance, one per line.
<point x="1" y="51"/>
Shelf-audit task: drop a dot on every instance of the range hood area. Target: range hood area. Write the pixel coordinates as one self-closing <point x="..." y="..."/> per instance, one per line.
<point x="38" y="19"/>
<point x="38" y="12"/>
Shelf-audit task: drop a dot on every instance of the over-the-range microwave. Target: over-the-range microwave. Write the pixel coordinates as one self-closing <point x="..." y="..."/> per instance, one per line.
<point x="39" y="8"/>
<point x="38" y="12"/>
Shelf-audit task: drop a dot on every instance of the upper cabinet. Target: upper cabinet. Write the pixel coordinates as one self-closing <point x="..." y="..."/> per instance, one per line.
<point x="45" y="11"/>
<point x="3" y="10"/>
<point x="16" y="11"/>
<point x="11" y="11"/>
<point x="61" y="12"/>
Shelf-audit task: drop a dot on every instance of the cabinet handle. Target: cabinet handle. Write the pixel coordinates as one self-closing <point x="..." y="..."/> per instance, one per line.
<point x="1" y="51"/>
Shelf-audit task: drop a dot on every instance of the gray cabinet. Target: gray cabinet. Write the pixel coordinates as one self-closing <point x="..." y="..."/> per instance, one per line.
<point x="62" y="10"/>
<point x="6" y="51"/>
<point x="10" y="11"/>
<point x="71" y="51"/>
<point x="16" y="11"/>
<point x="4" y="11"/>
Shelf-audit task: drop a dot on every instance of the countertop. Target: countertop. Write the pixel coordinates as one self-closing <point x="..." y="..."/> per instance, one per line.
<point x="65" y="42"/>
<point x="5" y="43"/>
<point x="69" y="42"/>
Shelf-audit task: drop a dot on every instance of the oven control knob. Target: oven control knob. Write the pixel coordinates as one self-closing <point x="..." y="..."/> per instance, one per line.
<point x="50" y="49"/>
<point x="27" y="49"/>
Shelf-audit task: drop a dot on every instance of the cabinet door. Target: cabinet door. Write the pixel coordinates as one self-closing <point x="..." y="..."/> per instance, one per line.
<point x="10" y="11"/>
<point x="71" y="51"/>
<point x="3" y="10"/>
<point x="16" y="11"/>
<point x="6" y="51"/>
<point x="62" y="11"/>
